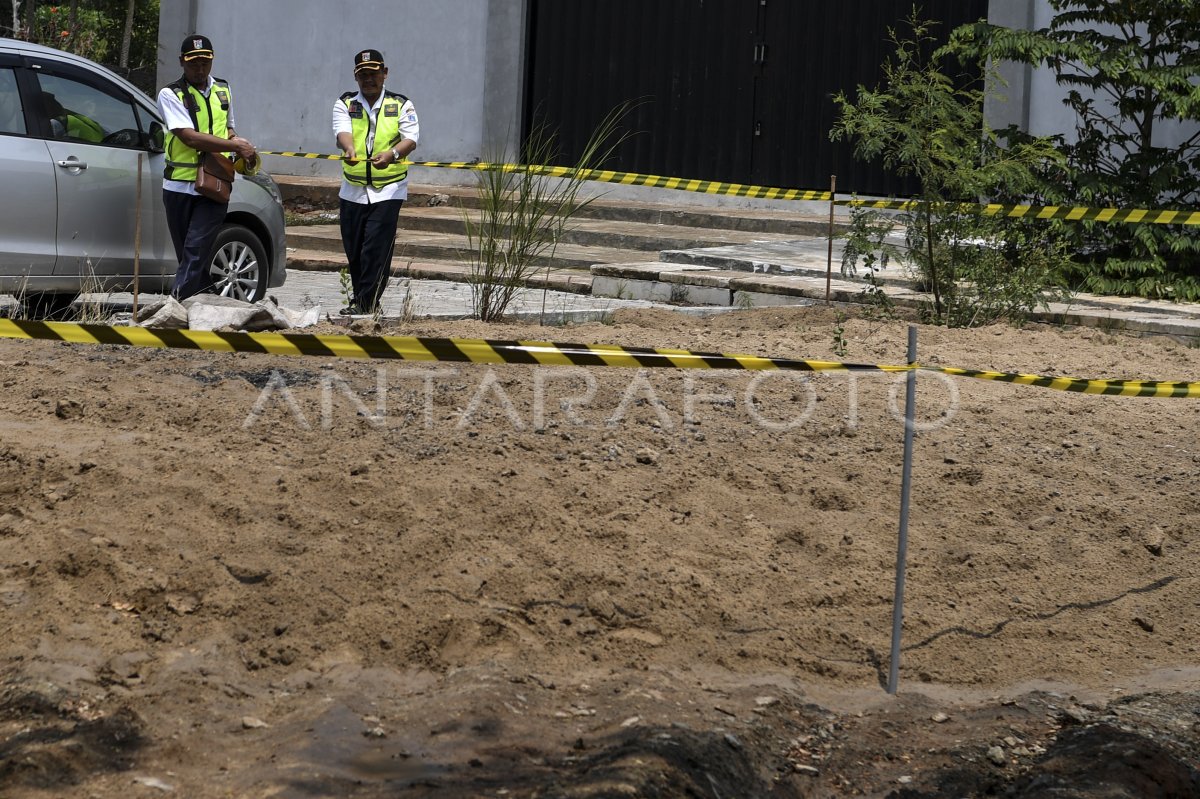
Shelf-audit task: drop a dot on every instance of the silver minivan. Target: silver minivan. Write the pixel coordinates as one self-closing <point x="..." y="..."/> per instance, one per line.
<point x="81" y="151"/>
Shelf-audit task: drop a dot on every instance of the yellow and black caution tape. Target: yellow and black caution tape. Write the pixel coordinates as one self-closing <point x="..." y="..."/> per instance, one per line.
<point x="1160" y="216"/>
<point x="530" y="353"/>
<point x="411" y="348"/>
<point x="607" y="176"/>
<point x="319" y="156"/>
<point x="1119" y="388"/>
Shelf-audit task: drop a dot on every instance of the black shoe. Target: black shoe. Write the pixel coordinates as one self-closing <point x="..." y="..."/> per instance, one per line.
<point x="350" y="310"/>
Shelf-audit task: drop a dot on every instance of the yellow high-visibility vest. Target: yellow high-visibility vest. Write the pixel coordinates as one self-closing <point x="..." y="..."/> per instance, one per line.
<point x="387" y="136"/>
<point x="209" y="115"/>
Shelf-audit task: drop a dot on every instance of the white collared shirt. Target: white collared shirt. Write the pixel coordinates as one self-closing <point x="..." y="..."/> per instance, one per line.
<point x="410" y="128"/>
<point x="175" y="116"/>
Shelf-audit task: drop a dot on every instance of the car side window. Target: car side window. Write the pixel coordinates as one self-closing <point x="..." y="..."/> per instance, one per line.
<point x="80" y="112"/>
<point x="12" y="115"/>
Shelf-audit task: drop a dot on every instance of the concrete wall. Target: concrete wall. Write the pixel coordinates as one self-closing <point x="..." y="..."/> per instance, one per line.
<point x="462" y="63"/>
<point x="459" y="61"/>
<point x="1033" y="100"/>
<point x="1010" y="105"/>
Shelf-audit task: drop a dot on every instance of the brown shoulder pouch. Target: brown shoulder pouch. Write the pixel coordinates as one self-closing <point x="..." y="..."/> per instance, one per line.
<point x="214" y="178"/>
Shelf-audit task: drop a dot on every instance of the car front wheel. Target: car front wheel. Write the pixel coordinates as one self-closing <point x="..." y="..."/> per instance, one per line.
<point x="239" y="265"/>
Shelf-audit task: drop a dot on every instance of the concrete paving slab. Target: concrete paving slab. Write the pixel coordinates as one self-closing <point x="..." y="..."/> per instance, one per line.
<point x="789" y="269"/>
<point x="406" y="298"/>
<point x="425" y="245"/>
<point x="632" y="234"/>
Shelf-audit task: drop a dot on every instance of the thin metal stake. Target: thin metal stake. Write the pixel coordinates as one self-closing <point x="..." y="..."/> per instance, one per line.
<point x="137" y="240"/>
<point x="910" y="403"/>
<point x="829" y="261"/>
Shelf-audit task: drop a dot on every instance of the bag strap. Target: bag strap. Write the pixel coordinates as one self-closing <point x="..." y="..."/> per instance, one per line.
<point x="180" y="87"/>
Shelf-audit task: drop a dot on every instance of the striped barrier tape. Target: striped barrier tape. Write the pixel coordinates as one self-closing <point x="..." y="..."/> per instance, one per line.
<point x="410" y="348"/>
<point x="608" y="176"/>
<point x="1115" y="388"/>
<point x="1160" y="216"/>
<point x="532" y="353"/>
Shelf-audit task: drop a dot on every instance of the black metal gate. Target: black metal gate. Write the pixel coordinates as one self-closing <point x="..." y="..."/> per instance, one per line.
<point x="730" y="90"/>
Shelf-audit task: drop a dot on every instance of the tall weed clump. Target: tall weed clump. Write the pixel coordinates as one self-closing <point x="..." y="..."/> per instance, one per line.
<point x="926" y="121"/>
<point x="525" y="209"/>
<point x="1129" y="73"/>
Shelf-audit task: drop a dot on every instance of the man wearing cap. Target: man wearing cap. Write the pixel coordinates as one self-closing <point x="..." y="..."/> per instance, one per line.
<point x="376" y="129"/>
<point x="198" y="111"/>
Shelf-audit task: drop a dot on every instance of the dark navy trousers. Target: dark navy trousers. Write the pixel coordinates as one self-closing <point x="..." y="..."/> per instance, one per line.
<point x="194" y="222"/>
<point x="369" y="237"/>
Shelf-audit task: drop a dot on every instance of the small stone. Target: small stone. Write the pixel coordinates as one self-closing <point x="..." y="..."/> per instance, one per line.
<point x="68" y="409"/>
<point x="155" y="783"/>
<point x="375" y="732"/>
<point x="1153" y="541"/>
<point x="129" y="666"/>
<point x="904" y="780"/>
<point x="252" y="723"/>
<point x="183" y="604"/>
<point x="812" y="771"/>
<point x="1075" y="714"/>
<point x="996" y="755"/>
<point x="733" y="741"/>
<point x="631" y="721"/>
<point x="766" y="701"/>
<point x="939" y="718"/>
<point x="601" y="606"/>
<point x="1143" y="622"/>
<point x="646" y="456"/>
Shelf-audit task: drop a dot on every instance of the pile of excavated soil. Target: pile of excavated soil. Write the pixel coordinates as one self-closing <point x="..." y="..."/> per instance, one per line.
<point x="250" y="575"/>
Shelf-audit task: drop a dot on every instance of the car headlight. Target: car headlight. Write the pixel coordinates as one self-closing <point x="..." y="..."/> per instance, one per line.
<point x="261" y="178"/>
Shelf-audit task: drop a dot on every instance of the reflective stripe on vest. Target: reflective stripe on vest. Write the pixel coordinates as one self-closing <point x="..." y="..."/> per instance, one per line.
<point x="387" y="135"/>
<point x="209" y="114"/>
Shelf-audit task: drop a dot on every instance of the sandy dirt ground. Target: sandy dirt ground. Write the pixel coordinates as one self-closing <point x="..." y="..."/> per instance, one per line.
<point x="238" y="575"/>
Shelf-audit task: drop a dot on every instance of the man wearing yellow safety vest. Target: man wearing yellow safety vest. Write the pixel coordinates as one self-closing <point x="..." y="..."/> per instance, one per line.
<point x="376" y="129"/>
<point x="198" y="112"/>
<point x="67" y="124"/>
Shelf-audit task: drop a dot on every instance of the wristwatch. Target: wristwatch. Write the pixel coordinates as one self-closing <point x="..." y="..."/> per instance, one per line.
<point x="395" y="155"/>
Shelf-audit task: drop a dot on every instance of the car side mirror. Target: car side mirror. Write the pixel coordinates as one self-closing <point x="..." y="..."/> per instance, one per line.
<point x="157" y="137"/>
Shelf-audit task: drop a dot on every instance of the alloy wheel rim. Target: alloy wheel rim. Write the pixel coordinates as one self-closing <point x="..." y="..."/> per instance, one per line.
<point x="235" y="271"/>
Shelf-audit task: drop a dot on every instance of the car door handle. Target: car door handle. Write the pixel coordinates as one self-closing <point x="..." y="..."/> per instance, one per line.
<point x="73" y="163"/>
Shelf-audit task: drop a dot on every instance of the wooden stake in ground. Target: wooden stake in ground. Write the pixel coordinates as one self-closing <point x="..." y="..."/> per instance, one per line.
<point x="137" y="239"/>
<point x="829" y="260"/>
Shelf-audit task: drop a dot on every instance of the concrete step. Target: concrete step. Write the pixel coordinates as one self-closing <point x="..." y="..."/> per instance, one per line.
<point x="613" y="233"/>
<point x="426" y="246"/>
<point x="692" y="284"/>
<point x="799" y="257"/>
<point x="322" y="192"/>
<point x="570" y="280"/>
